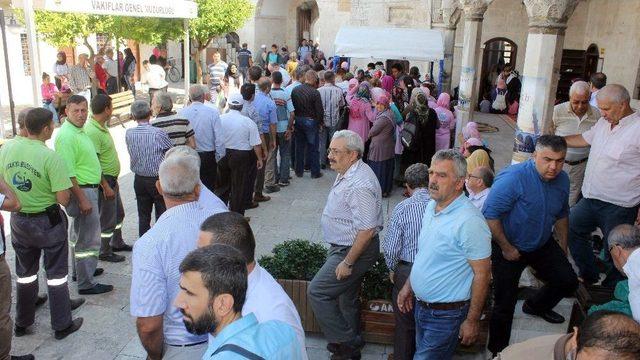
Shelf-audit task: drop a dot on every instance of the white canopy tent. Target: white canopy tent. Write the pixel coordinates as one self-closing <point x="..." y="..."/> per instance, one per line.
<point x="176" y="9"/>
<point x="389" y="43"/>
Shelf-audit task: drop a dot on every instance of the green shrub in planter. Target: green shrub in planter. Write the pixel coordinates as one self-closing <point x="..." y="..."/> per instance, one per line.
<point x="376" y="284"/>
<point x="295" y="260"/>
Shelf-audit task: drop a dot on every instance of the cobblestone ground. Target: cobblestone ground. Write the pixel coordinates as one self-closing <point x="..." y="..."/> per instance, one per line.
<point x="109" y="331"/>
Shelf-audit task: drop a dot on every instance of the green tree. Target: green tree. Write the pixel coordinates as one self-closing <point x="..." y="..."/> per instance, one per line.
<point x="216" y="18"/>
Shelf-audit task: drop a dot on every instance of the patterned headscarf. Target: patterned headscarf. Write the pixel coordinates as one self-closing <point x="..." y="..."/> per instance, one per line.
<point x="363" y="92"/>
<point x="420" y="105"/>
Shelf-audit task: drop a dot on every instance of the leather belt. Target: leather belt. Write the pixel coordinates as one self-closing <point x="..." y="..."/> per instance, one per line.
<point x="444" y="306"/>
<point x="187" y="345"/>
<point x="573" y="163"/>
<point x="402" y="262"/>
<point x="41" y="213"/>
<point x="92" y="186"/>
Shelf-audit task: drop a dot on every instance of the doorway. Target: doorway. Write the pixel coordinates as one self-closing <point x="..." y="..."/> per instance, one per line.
<point x="497" y="53"/>
<point x="307" y="14"/>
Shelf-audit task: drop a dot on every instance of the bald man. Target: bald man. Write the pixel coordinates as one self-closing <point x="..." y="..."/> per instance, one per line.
<point x="575" y="117"/>
<point x="611" y="189"/>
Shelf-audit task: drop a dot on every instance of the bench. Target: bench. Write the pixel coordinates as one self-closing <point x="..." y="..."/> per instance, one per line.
<point x="121" y="103"/>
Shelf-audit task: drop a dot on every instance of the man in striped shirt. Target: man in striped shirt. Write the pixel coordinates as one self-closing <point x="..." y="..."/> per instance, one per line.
<point x="332" y="102"/>
<point x="400" y="247"/>
<point x="216" y="72"/>
<point x="146" y="145"/>
<point x="350" y="223"/>
<point x="177" y="127"/>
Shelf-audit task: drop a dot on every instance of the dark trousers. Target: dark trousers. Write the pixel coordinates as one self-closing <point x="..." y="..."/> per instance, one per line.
<point x="111" y="218"/>
<point x="584" y="218"/>
<point x="284" y="148"/>
<point x="384" y="173"/>
<point x="6" y="325"/>
<point x="307" y="138"/>
<point x="31" y="237"/>
<point x="551" y="266"/>
<point x="404" y="342"/>
<point x="112" y="85"/>
<point x="208" y="169"/>
<point x="147" y="197"/>
<point x="236" y="185"/>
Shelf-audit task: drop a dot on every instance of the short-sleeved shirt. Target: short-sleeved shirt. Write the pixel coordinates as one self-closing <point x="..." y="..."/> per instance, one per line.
<point x="34" y="172"/>
<point x="354" y="204"/>
<point x="76" y="149"/>
<point x="527" y="206"/>
<point x="105" y="148"/>
<point x="268" y="340"/>
<point x="244" y="55"/>
<point x="266" y="108"/>
<point x="155" y="276"/>
<point x="238" y="131"/>
<point x="146" y="145"/>
<point x="448" y="240"/>
<point x="613" y="169"/>
<point x="216" y="71"/>
<point x="282" y="111"/>
<point x="205" y="122"/>
<point x="177" y="127"/>
<point x="566" y="122"/>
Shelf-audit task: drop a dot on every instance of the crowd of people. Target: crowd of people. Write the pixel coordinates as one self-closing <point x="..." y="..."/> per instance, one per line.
<point x="463" y="233"/>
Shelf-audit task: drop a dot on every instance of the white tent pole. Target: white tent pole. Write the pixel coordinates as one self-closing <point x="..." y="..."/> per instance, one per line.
<point x="185" y="59"/>
<point x="34" y="56"/>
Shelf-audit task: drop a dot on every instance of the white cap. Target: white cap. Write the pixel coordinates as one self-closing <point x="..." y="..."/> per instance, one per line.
<point x="263" y="46"/>
<point x="236" y="99"/>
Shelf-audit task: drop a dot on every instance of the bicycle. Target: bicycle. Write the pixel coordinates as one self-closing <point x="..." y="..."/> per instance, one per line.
<point x="172" y="71"/>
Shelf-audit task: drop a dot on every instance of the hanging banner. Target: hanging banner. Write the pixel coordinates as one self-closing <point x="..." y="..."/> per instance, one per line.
<point x="177" y="9"/>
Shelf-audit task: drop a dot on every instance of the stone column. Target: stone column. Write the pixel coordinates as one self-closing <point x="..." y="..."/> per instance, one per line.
<point x="473" y="11"/>
<point x="446" y="19"/>
<point x="547" y="24"/>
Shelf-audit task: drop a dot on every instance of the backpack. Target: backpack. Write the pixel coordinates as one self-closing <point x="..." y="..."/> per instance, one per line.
<point x="500" y="103"/>
<point x="343" y="118"/>
<point x="408" y="134"/>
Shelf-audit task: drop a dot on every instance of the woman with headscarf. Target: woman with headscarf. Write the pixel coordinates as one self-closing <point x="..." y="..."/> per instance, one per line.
<point x="382" y="148"/>
<point x="129" y="70"/>
<point x="60" y="69"/>
<point x="423" y="145"/>
<point x="477" y="155"/>
<point x="446" y="120"/>
<point x="499" y="103"/>
<point x="292" y="64"/>
<point x="232" y="80"/>
<point x="387" y="83"/>
<point x="361" y="113"/>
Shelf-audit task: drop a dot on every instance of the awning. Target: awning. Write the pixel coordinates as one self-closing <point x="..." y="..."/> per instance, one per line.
<point x="177" y="9"/>
<point x="389" y="43"/>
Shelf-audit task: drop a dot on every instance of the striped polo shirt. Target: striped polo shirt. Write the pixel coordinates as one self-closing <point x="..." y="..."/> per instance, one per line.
<point x="146" y="145"/>
<point x="178" y="128"/>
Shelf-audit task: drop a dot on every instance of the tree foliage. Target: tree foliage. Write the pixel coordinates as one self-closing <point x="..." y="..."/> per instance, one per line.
<point x="218" y="17"/>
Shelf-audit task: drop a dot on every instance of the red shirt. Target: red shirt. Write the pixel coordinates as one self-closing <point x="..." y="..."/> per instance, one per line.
<point x="102" y="75"/>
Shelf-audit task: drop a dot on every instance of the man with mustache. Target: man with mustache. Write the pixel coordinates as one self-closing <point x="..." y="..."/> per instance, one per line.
<point x="526" y="203"/>
<point x="213" y="287"/>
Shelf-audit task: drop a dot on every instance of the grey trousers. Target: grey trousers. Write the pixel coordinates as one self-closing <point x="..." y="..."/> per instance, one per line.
<point x="267" y="175"/>
<point x="335" y="302"/>
<point x="31" y="237"/>
<point x="6" y="325"/>
<point x="111" y="218"/>
<point x="84" y="238"/>
<point x="184" y="352"/>
<point x="576" y="178"/>
<point x="326" y="134"/>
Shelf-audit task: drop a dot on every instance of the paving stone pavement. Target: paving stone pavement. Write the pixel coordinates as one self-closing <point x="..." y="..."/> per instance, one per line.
<point x="109" y="331"/>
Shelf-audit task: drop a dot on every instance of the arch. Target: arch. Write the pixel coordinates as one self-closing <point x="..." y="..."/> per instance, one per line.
<point x="591" y="58"/>
<point x="497" y="52"/>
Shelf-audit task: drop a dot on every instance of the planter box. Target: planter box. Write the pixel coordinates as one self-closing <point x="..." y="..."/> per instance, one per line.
<point x="297" y="291"/>
<point x="378" y="322"/>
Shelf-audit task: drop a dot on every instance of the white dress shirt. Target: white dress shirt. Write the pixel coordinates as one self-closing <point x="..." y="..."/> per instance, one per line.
<point x="632" y="270"/>
<point x="111" y="67"/>
<point x="613" y="169"/>
<point x="210" y="201"/>
<point x="478" y="199"/>
<point x="155" y="77"/>
<point x="238" y="131"/>
<point x="267" y="300"/>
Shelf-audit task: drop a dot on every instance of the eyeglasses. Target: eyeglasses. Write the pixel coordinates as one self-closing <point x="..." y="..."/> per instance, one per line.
<point x="473" y="176"/>
<point x="336" y="151"/>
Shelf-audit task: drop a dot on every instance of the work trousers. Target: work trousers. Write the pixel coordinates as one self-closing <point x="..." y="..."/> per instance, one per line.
<point x="112" y="85"/>
<point x="404" y="341"/>
<point x="32" y="236"/>
<point x="208" y="169"/>
<point x="551" y="266"/>
<point x="111" y="218"/>
<point x="147" y="197"/>
<point x="584" y="218"/>
<point x="236" y="185"/>
<point x="84" y="238"/>
<point x="267" y="175"/>
<point x="6" y="325"/>
<point x="335" y="302"/>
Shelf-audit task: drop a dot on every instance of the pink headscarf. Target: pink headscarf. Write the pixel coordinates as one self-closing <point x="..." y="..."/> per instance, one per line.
<point x="501" y="84"/>
<point x="387" y="83"/>
<point x="377" y="92"/>
<point x="474" y="142"/>
<point x="471" y="131"/>
<point x="383" y="100"/>
<point x="353" y="84"/>
<point x="345" y="66"/>
<point x="443" y="100"/>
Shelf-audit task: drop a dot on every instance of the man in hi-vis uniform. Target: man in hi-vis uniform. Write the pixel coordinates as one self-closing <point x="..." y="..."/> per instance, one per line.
<point x="39" y="178"/>
<point x="76" y="149"/>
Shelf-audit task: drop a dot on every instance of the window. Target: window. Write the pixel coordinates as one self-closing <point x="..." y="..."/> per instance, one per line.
<point x="26" y="60"/>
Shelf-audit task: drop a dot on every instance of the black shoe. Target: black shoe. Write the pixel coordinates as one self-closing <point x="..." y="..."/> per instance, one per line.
<point x="76" y="303"/>
<point x="253" y="205"/>
<point x="19" y="331"/>
<point x="41" y="300"/>
<point x="346" y="351"/>
<point x="271" y="189"/>
<point x="284" y="183"/>
<point x="96" y="289"/>
<point x="23" y="357"/>
<point x="549" y="315"/>
<point x="75" y="325"/>
<point x="97" y="272"/>
<point x="123" y="248"/>
<point x="299" y="175"/>
<point x="113" y="258"/>
<point x="319" y="175"/>
<point x="323" y="166"/>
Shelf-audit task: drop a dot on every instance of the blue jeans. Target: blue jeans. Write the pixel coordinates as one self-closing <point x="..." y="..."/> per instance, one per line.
<point x="49" y="106"/>
<point x="584" y="217"/>
<point x="284" y="148"/>
<point x="437" y="332"/>
<point x="307" y="139"/>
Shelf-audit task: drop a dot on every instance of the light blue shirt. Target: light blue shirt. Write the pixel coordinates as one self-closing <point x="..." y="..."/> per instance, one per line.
<point x="448" y="240"/>
<point x="271" y="340"/>
<point x="266" y="108"/>
<point x="155" y="277"/>
<point x="282" y="112"/>
<point x="205" y="122"/>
